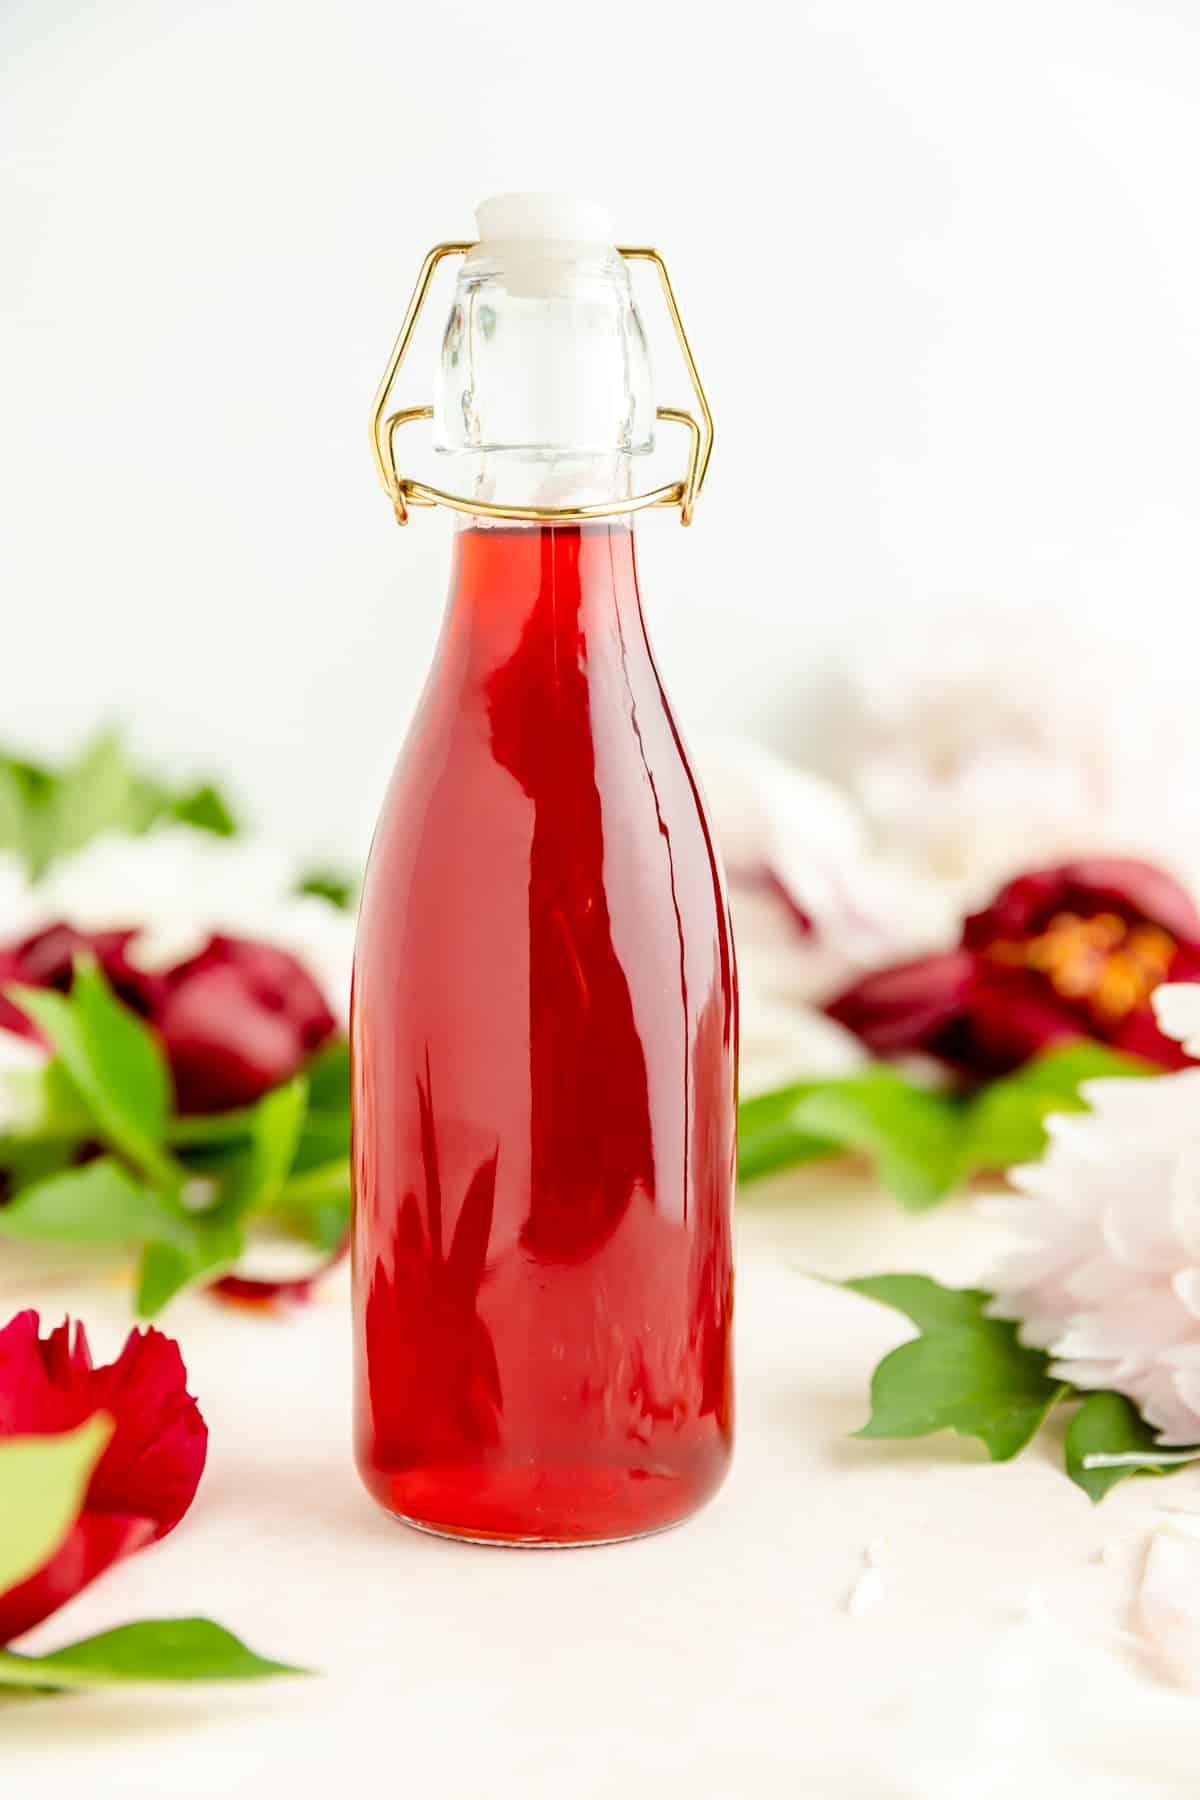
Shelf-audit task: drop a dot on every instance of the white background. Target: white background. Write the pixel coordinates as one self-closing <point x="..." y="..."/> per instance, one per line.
<point x="939" y="260"/>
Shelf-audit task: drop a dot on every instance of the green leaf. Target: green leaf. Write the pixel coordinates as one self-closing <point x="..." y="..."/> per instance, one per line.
<point x="14" y="820"/>
<point x="204" y="1245"/>
<point x="769" y="1137"/>
<point x="338" y="886"/>
<point x="912" y="1133"/>
<point x="54" y="1106"/>
<point x="36" y="782"/>
<point x="316" y="1204"/>
<point x="203" y="1249"/>
<point x="325" y="1135"/>
<point x="965" y="1373"/>
<point x="99" y="1203"/>
<point x="1110" y="1425"/>
<point x="97" y="792"/>
<point x="43" y="1481"/>
<point x="324" y="1138"/>
<point x="1005" y="1123"/>
<point x="929" y="1305"/>
<point x="205" y="808"/>
<point x="261" y="1170"/>
<point x="46" y="814"/>
<point x="211" y="1130"/>
<point x="924" y="1142"/>
<point x="153" y="1650"/>
<point x="26" y="1160"/>
<point x="329" y="1077"/>
<point x="31" y="790"/>
<point x="115" y="1062"/>
<point x="975" y="1380"/>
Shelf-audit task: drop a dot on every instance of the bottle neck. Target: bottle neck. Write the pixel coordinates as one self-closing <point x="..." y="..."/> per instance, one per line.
<point x="561" y="599"/>
<point x="562" y="479"/>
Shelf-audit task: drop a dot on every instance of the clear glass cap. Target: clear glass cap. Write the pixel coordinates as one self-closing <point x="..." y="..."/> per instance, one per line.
<point x="544" y="359"/>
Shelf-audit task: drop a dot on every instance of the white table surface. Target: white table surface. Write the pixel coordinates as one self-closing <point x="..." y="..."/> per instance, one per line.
<point x="714" y="1660"/>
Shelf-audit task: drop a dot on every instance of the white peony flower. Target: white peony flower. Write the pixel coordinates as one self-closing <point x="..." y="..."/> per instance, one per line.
<point x="996" y="740"/>
<point x="178" y="886"/>
<point x="812" y="907"/>
<point x="1106" y="1277"/>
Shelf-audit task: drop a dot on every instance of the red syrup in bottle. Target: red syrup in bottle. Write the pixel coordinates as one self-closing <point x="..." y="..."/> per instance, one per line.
<point x="544" y="1049"/>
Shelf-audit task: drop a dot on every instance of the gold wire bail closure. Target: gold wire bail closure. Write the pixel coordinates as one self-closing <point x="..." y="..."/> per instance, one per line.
<point x="404" y="491"/>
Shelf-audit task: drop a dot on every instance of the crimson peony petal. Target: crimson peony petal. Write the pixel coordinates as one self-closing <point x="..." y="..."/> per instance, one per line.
<point x="1135" y="890"/>
<point x="42" y="1385"/>
<point x="1067" y="952"/>
<point x="47" y="960"/>
<point x="149" y="1472"/>
<point x="66" y="1353"/>
<point x="11" y="1018"/>
<point x="1139" y="1035"/>
<point x="909" y="1006"/>
<point x="154" y="1462"/>
<point x="237" y="1020"/>
<point x="1010" y="1021"/>
<point x="260" y="1290"/>
<point x="96" y="1541"/>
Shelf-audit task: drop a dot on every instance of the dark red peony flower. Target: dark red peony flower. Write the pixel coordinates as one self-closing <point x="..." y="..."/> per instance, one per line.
<point x="47" y="959"/>
<point x="144" y="1482"/>
<point x="236" y="1019"/>
<point x="1074" y="951"/>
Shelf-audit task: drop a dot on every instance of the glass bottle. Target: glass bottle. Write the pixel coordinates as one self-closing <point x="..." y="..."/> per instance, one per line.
<point x="544" y="1026"/>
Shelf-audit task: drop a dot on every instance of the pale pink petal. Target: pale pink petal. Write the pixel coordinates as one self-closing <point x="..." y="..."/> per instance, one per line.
<point x="1089" y="1375"/>
<point x="1157" y="1397"/>
<point x="1104" y="1272"/>
<point x="1140" y="1236"/>
<point x="1096" y="1282"/>
<point x="1167" y="1610"/>
<point x="1185" y="1194"/>
<point x="1143" y="1322"/>
<point x="1186" y="1284"/>
<point x="1150" y="1111"/>
<point x="1044" y="1182"/>
<point x="1187" y="1387"/>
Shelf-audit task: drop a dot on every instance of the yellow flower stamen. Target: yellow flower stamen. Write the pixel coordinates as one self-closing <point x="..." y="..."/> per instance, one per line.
<point x="1112" y="966"/>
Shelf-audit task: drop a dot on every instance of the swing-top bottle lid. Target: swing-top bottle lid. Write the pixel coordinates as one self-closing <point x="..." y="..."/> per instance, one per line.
<point x="545" y="246"/>
<point x="543" y="391"/>
<point x="562" y="216"/>
<point x="544" y="354"/>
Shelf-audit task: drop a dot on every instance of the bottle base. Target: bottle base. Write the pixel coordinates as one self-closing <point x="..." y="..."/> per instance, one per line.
<point x="553" y="1508"/>
<point x="494" y="1540"/>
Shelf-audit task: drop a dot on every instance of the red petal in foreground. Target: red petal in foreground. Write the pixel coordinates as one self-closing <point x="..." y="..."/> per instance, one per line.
<point x="145" y="1480"/>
